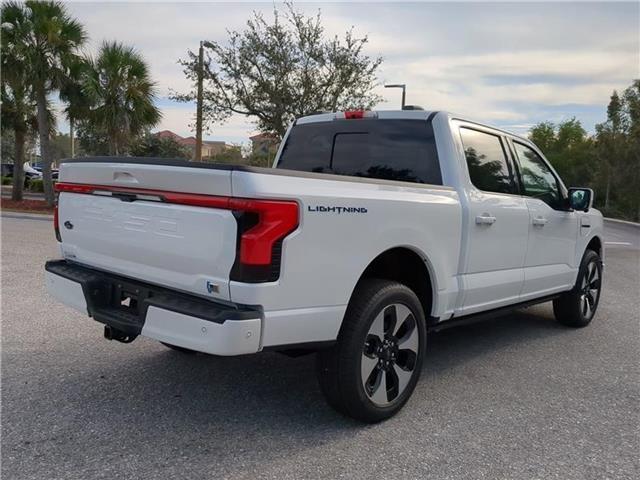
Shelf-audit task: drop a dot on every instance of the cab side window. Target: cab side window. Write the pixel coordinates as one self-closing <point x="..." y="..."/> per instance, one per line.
<point x="537" y="179"/>
<point x="487" y="162"/>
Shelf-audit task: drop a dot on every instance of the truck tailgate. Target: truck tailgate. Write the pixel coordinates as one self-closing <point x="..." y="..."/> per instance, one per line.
<point x="189" y="248"/>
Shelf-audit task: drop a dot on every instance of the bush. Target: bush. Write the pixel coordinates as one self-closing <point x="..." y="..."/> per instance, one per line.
<point x="260" y="160"/>
<point x="36" y="185"/>
<point x="7" y="181"/>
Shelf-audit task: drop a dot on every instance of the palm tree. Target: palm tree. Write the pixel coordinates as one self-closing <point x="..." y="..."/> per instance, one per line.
<point x="15" y="117"/>
<point x="73" y="95"/>
<point x="18" y="110"/>
<point x="122" y="95"/>
<point x="51" y="42"/>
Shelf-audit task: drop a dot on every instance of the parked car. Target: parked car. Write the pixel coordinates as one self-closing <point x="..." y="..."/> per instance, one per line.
<point x="54" y="171"/>
<point x="372" y="230"/>
<point x="30" y="173"/>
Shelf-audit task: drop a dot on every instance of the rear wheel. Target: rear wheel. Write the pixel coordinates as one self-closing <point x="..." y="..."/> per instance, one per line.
<point x="578" y="307"/>
<point x="373" y="369"/>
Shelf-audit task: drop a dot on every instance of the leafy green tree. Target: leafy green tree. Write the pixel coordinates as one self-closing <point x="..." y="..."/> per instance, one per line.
<point x="570" y="150"/>
<point x="608" y="162"/>
<point x="8" y="145"/>
<point x="76" y="100"/>
<point x="276" y="71"/>
<point x="625" y="194"/>
<point x="121" y="93"/>
<point x="609" y="136"/>
<point x="18" y="109"/>
<point x="153" y="146"/>
<point x="91" y="141"/>
<point x="544" y="136"/>
<point x="60" y="147"/>
<point x="231" y="154"/>
<point x="49" y="43"/>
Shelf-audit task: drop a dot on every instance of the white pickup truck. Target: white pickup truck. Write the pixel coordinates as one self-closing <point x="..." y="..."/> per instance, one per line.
<point x="371" y="230"/>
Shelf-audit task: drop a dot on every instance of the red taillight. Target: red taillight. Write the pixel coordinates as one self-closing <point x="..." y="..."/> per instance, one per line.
<point x="56" y="224"/>
<point x="76" y="187"/>
<point x="352" y="114"/>
<point x="276" y="219"/>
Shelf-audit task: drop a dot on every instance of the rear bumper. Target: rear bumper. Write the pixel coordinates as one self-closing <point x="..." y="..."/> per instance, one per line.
<point x="155" y="312"/>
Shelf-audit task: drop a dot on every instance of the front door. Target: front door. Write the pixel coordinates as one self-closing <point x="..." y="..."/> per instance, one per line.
<point x="497" y="224"/>
<point x="553" y="230"/>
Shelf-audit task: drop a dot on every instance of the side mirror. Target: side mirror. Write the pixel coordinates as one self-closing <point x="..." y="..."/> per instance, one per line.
<point x="581" y="199"/>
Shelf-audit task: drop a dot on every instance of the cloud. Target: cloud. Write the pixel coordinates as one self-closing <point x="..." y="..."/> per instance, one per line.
<point x="506" y="63"/>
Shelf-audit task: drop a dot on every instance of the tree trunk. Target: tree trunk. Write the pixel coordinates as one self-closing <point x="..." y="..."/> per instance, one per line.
<point x="18" y="167"/>
<point x="113" y="145"/>
<point x="45" y="150"/>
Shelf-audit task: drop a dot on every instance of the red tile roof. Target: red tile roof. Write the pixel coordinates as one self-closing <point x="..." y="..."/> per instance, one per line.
<point x="264" y="136"/>
<point x="187" y="141"/>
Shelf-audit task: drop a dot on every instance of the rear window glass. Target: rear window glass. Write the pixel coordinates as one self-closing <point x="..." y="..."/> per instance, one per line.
<point x="401" y="150"/>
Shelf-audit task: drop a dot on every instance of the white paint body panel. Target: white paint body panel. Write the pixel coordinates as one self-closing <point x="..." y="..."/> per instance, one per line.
<point x="301" y="325"/>
<point x="177" y="246"/>
<point x="550" y="265"/>
<point x="66" y="291"/>
<point x="472" y="267"/>
<point x="233" y="337"/>
<point x="323" y="259"/>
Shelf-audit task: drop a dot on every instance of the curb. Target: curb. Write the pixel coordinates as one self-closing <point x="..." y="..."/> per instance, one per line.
<point x="624" y="222"/>
<point x="25" y="215"/>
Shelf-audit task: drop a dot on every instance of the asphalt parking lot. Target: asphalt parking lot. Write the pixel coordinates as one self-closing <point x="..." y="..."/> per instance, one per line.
<point x="518" y="397"/>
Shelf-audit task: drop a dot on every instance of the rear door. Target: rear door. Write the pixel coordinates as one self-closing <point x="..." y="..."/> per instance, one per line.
<point x="553" y="231"/>
<point x="497" y="223"/>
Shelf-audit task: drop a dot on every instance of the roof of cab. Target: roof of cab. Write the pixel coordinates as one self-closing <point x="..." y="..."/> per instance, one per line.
<point x="405" y="114"/>
<point x="385" y="114"/>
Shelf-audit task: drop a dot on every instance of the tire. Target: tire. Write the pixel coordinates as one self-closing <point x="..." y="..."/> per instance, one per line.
<point x="179" y="349"/>
<point x="367" y="375"/>
<point x="578" y="307"/>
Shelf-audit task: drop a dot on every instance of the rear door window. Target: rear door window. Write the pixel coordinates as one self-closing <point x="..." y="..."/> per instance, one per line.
<point x="402" y="150"/>
<point x="489" y="169"/>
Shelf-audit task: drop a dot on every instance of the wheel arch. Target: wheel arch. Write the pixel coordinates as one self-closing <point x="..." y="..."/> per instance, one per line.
<point x="595" y="244"/>
<point x="409" y="266"/>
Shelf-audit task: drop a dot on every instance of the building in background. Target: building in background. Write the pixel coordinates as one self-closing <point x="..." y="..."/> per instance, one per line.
<point x="210" y="149"/>
<point x="264" y="144"/>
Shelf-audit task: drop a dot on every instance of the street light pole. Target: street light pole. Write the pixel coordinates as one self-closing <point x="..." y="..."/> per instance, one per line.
<point x="403" y="86"/>
<point x="72" y="137"/>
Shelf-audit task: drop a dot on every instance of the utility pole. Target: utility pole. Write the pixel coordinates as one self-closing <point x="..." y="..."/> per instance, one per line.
<point x="71" y="137"/>
<point x="404" y="91"/>
<point x="199" y="105"/>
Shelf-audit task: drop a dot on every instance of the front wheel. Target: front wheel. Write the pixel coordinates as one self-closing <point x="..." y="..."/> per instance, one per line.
<point x="578" y="307"/>
<point x="373" y="369"/>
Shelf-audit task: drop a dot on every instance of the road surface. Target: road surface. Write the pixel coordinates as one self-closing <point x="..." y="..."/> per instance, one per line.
<point x="518" y="397"/>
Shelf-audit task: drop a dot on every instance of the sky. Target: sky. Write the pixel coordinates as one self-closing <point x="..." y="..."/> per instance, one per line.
<point x="507" y="64"/>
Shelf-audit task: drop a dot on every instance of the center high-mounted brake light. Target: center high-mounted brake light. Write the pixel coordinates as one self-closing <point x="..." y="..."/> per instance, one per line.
<point x="259" y="239"/>
<point x="355" y="114"/>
